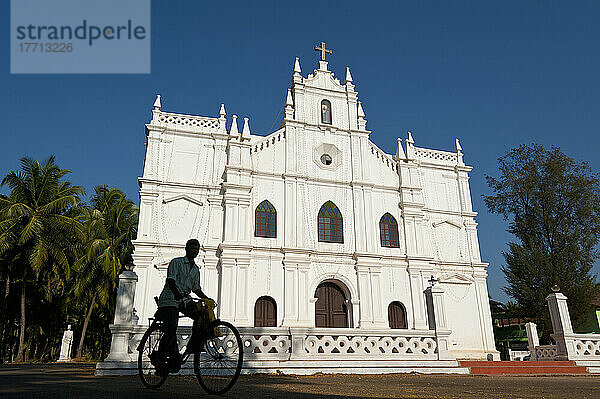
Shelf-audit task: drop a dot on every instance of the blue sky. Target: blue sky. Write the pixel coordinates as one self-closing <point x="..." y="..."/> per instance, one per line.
<point x="493" y="74"/>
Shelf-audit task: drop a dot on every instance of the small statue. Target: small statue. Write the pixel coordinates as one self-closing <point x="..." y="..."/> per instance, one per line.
<point x="65" y="348"/>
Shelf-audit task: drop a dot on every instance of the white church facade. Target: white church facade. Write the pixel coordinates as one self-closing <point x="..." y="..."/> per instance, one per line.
<point x="313" y="236"/>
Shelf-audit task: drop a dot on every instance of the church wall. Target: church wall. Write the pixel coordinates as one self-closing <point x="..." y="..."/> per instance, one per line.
<point x="379" y="169"/>
<point x="440" y="189"/>
<point x="266" y="279"/>
<point x="461" y="301"/>
<point x="395" y="286"/>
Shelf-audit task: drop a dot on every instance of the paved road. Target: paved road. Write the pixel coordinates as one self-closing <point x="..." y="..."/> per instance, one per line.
<point x="72" y="381"/>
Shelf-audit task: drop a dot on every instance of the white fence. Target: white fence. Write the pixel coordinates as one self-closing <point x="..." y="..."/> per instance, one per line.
<point x="302" y="350"/>
<point x="583" y="349"/>
<point x="331" y="344"/>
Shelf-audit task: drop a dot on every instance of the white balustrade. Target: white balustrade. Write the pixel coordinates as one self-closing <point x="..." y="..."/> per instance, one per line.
<point x="587" y="346"/>
<point x="436" y="156"/>
<point x="328" y="344"/>
<point x="545" y="352"/>
<point x="191" y="122"/>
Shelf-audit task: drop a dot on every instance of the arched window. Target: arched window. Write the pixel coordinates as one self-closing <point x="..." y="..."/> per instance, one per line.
<point x="397" y="315"/>
<point x="388" y="231"/>
<point x="331" y="224"/>
<point x="266" y="220"/>
<point x="265" y="312"/>
<point x="326" y="112"/>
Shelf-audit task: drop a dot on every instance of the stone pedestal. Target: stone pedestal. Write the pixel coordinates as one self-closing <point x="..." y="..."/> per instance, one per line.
<point x="123" y="323"/>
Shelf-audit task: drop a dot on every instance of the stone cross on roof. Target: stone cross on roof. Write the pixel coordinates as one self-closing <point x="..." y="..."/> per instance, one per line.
<point x="323" y="50"/>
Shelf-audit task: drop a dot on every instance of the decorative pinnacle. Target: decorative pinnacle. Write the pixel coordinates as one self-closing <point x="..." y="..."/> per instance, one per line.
<point x="400" y="150"/>
<point x="457" y="146"/>
<point x="246" y="130"/>
<point x="288" y="100"/>
<point x="361" y="112"/>
<point x="348" y="76"/>
<point x="555" y="288"/>
<point x="410" y="140"/>
<point x="297" y="69"/>
<point x="222" y="111"/>
<point x="157" y="104"/>
<point x="234" y="129"/>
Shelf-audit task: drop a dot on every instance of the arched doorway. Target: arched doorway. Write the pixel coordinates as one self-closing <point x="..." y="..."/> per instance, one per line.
<point x="265" y="312"/>
<point x="331" y="308"/>
<point x="397" y="315"/>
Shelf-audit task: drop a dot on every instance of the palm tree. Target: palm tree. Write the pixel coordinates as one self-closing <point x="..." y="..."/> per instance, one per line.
<point x="35" y="219"/>
<point x="110" y="225"/>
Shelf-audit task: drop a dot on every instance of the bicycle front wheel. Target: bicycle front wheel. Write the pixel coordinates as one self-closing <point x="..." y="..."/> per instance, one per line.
<point x="219" y="365"/>
<point x="148" y="358"/>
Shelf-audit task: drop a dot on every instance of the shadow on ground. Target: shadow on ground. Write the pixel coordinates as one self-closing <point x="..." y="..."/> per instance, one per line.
<point x="72" y="381"/>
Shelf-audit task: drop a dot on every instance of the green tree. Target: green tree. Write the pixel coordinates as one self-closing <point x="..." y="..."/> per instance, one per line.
<point x="553" y="205"/>
<point x="35" y="221"/>
<point x="110" y="225"/>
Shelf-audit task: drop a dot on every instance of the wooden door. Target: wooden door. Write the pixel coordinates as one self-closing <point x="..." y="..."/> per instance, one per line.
<point x="330" y="310"/>
<point x="265" y="312"/>
<point x="397" y="315"/>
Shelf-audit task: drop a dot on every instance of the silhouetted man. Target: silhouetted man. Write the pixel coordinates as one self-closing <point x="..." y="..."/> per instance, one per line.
<point x="183" y="277"/>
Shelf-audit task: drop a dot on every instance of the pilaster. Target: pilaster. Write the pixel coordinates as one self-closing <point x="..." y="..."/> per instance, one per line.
<point x="233" y="294"/>
<point x="485" y="315"/>
<point x="210" y="275"/>
<point x="416" y="273"/>
<point x="368" y="275"/>
<point x="295" y="291"/>
<point x="435" y="296"/>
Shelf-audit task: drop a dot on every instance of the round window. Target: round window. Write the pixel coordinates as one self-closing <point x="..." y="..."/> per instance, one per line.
<point x="326" y="159"/>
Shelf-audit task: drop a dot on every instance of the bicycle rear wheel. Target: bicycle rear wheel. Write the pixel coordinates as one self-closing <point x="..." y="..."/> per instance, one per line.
<point x="219" y="365"/>
<point x="147" y="355"/>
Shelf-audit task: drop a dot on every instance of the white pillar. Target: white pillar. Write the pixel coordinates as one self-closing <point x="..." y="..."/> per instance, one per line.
<point x="368" y="274"/>
<point x="227" y="289"/>
<point x="485" y="315"/>
<point x="296" y="298"/>
<point x="122" y="326"/>
<point x="561" y="325"/>
<point x="242" y="318"/>
<point x="417" y="300"/>
<point x="210" y="276"/>
<point x="559" y="313"/>
<point x="532" y="339"/>
<point x="440" y="321"/>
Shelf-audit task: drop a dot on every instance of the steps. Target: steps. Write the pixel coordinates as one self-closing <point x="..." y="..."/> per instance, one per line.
<point x="523" y="368"/>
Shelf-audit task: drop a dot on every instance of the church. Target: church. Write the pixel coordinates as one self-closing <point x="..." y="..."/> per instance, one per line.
<point x="314" y="241"/>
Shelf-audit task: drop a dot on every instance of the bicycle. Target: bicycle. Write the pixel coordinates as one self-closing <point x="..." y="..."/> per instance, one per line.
<point x="218" y="355"/>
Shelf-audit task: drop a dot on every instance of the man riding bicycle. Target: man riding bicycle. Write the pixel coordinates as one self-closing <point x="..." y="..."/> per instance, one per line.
<point x="216" y="345"/>
<point x="183" y="277"/>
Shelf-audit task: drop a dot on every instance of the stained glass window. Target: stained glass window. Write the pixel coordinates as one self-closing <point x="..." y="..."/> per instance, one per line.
<point x="331" y="223"/>
<point x="388" y="230"/>
<point x="266" y="220"/>
<point x="326" y="112"/>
